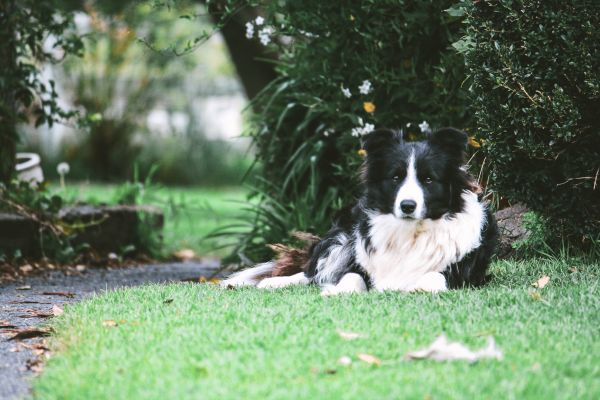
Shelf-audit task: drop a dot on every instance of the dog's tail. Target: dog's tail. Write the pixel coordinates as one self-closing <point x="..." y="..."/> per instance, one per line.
<point x="288" y="261"/>
<point x="250" y="276"/>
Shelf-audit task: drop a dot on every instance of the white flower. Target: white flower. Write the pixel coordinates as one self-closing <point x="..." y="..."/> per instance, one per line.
<point x="362" y="129"/>
<point x="265" y="35"/>
<point x="346" y="92"/>
<point x="424" y="127"/>
<point x="365" y="87"/>
<point x="259" y="20"/>
<point x="327" y="132"/>
<point x="249" y="30"/>
<point x="63" y="168"/>
<point x="313" y="159"/>
<point x="308" y="34"/>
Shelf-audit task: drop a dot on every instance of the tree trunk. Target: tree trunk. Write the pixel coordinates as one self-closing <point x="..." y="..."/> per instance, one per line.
<point x="8" y="56"/>
<point x="253" y="62"/>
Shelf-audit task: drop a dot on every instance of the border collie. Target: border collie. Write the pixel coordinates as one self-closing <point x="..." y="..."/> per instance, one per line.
<point x="419" y="225"/>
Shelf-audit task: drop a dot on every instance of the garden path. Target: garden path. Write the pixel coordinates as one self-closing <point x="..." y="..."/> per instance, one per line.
<point x="29" y="303"/>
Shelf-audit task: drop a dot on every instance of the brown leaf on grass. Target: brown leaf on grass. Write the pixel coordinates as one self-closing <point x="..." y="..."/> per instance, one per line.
<point x="184" y="254"/>
<point x="369" y="359"/>
<point x="29" y="333"/>
<point x="70" y="295"/>
<point x="25" y="287"/>
<point x="573" y="270"/>
<point x="350" y="335"/>
<point x="443" y="350"/>
<point x="204" y="279"/>
<point x="542" y="282"/>
<point x="57" y="311"/>
<point x="109" y="323"/>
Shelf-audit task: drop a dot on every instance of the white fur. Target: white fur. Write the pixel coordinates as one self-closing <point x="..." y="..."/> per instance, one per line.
<point x="249" y="277"/>
<point x="411" y="190"/>
<point x="405" y="250"/>
<point x="431" y="282"/>
<point x="350" y="283"/>
<point x="277" y="282"/>
<point x="328" y="267"/>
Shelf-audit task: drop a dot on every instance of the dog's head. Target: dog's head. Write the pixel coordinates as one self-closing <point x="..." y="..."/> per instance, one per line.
<point x="415" y="180"/>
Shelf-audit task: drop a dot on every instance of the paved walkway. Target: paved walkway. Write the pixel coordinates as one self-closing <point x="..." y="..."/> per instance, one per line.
<point x="29" y="302"/>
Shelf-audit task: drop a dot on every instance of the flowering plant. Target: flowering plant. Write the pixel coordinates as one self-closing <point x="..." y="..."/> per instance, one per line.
<point x="343" y="73"/>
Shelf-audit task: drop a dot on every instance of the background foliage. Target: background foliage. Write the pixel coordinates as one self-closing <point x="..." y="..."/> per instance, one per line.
<point x="536" y="95"/>
<point x="302" y="130"/>
<point x="30" y="34"/>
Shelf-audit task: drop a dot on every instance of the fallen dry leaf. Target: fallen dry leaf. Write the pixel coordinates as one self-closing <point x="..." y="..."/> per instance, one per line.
<point x="80" y="267"/>
<point x="26" y="268"/>
<point x="350" y="335"/>
<point x="204" y="279"/>
<point x="29" y="333"/>
<point x="369" y="359"/>
<point x="4" y="324"/>
<point x="35" y="366"/>
<point x="443" y="350"/>
<point x="70" y="295"/>
<point x="573" y="270"/>
<point x="345" y="360"/>
<point x="542" y="282"/>
<point x="185" y="254"/>
<point x="57" y="311"/>
<point x="109" y="322"/>
<point x="25" y="287"/>
<point x="36" y="314"/>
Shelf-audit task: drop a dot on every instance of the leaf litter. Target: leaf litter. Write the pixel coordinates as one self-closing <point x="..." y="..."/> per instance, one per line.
<point x="444" y="350"/>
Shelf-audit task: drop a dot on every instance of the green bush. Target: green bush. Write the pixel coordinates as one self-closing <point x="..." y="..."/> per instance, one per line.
<point x="535" y="69"/>
<point x="304" y="129"/>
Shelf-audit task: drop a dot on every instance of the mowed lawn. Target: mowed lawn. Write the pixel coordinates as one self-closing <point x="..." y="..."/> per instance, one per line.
<point x="190" y="212"/>
<point x="198" y="341"/>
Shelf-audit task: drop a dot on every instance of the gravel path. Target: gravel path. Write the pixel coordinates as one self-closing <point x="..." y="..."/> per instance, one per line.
<point x="22" y="303"/>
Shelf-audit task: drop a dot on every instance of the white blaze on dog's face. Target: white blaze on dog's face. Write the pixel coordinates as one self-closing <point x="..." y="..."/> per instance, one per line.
<point x="410" y="200"/>
<point x="415" y="180"/>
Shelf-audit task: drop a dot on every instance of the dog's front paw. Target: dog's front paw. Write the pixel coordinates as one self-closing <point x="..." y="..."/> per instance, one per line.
<point x="432" y="282"/>
<point x="350" y="283"/>
<point x="277" y="282"/>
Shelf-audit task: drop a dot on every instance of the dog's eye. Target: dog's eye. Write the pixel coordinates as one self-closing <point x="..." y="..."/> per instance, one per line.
<point x="428" y="179"/>
<point x="396" y="178"/>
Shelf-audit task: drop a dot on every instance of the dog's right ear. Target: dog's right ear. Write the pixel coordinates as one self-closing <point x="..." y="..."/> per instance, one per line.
<point x="380" y="139"/>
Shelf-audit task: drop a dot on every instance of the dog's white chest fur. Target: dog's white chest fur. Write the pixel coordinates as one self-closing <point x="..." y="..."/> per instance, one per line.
<point x="403" y="251"/>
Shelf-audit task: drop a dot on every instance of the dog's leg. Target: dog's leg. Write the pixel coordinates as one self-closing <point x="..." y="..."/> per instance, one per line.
<point x="350" y="283"/>
<point x="283" y="281"/>
<point x="431" y="282"/>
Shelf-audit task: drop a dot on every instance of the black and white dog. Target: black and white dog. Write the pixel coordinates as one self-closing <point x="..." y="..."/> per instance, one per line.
<point x="419" y="225"/>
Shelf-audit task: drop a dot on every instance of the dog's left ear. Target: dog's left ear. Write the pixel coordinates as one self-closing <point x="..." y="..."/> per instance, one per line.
<point x="380" y="139"/>
<point x="451" y="140"/>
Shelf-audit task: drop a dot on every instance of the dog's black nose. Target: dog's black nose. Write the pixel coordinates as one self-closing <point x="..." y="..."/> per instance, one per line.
<point x="408" y="206"/>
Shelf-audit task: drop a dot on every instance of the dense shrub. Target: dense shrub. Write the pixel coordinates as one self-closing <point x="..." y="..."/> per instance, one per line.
<point x="345" y="67"/>
<point x="535" y="69"/>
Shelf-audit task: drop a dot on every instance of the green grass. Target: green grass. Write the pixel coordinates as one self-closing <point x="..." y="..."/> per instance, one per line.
<point x="190" y="212"/>
<point x="212" y="343"/>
